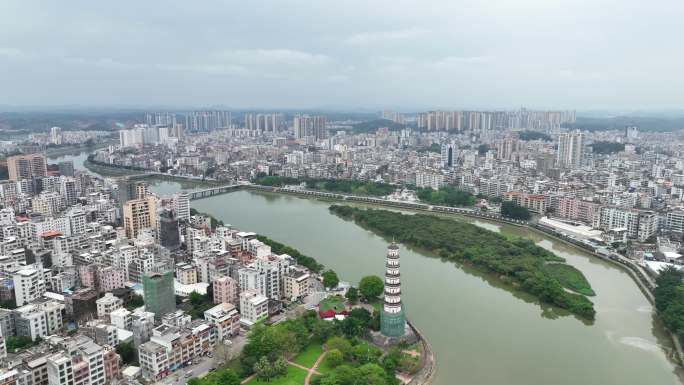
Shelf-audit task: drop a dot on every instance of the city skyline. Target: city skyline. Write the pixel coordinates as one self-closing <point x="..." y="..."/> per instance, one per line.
<point x="327" y="55"/>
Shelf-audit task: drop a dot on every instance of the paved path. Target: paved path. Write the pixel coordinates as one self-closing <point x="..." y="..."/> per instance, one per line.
<point x="309" y="370"/>
<point x="248" y="379"/>
<point x="313" y="370"/>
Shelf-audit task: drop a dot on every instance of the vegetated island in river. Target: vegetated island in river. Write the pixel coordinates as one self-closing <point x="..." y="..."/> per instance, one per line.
<point x="518" y="261"/>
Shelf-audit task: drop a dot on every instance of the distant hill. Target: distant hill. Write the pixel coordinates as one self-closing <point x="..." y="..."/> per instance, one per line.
<point x="373" y="125"/>
<point x="534" y="135"/>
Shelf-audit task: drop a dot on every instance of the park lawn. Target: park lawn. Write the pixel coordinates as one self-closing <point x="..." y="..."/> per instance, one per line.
<point x="308" y="356"/>
<point x="336" y="303"/>
<point x="323" y="367"/>
<point x="294" y="376"/>
<point x="570" y="278"/>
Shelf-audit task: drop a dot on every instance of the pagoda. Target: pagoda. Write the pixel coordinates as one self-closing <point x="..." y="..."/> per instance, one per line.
<point x="392" y="318"/>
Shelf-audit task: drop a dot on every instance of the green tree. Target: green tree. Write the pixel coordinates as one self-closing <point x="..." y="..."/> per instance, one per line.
<point x="669" y="299"/>
<point x="17" y="343"/>
<point x="228" y="377"/>
<point x="339" y="343"/>
<point x="510" y="209"/>
<point x="352" y="295"/>
<point x="534" y="135"/>
<point x="370" y="374"/>
<point x="330" y="380"/>
<point x="334" y="358"/>
<point x="264" y="369"/>
<point x="391" y="360"/>
<point x="517" y="260"/>
<point x="344" y="375"/>
<point x="364" y="353"/>
<point x="330" y="279"/>
<point x="196" y="299"/>
<point x="371" y="287"/>
<point x="445" y="196"/>
<point x="322" y="330"/>
<point x="128" y="353"/>
<point x="135" y="302"/>
<point x="603" y="147"/>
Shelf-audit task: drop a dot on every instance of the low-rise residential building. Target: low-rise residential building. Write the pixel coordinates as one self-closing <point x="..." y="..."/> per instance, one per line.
<point x="226" y="318"/>
<point x="253" y="307"/>
<point x="186" y="274"/>
<point x="38" y="319"/>
<point x="29" y="285"/>
<point x="225" y="290"/>
<point x="297" y="284"/>
<point x="107" y="304"/>
<point x="170" y="348"/>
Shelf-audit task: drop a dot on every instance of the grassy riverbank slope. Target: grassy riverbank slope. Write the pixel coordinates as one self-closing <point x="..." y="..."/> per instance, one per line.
<point x="518" y="261"/>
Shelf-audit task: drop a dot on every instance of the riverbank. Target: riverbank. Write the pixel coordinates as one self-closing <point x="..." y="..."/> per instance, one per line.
<point x="428" y="363"/>
<point x="52" y="152"/>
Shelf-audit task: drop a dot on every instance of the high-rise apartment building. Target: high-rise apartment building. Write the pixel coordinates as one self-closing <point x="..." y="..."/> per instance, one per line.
<point x="159" y="293"/>
<point x="26" y="166"/>
<point x="449" y="154"/>
<point x="306" y="125"/>
<point x="139" y="214"/>
<point x="169" y="235"/>
<point x="263" y="122"/>
<point x="160" y="118"/>
<point x="56" y="135"/>
<point x="570" y="150"/>
<point x="69" y="190"/>
<point x="493" y="120"/>
<point x="181" y="206"/>
<point x="204" y="121"/>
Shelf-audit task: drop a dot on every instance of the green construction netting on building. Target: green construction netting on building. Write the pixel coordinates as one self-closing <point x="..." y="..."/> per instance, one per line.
<point x="393" y="325"/>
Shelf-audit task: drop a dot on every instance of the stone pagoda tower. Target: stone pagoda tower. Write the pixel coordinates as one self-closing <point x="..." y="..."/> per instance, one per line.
<point x="392" y="318"/>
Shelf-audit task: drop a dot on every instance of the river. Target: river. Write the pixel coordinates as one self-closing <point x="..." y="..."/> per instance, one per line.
<point x="78" y="157"/>
<point x="481" y="333"/>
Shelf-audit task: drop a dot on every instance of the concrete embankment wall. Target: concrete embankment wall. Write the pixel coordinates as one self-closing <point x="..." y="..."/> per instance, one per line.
<point x="428" y="362"/>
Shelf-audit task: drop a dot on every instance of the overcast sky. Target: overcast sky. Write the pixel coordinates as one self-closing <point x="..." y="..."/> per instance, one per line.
<point x="575" y="54"/>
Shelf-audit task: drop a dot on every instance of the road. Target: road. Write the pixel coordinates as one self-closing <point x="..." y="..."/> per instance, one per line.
<point x="199" y="368"/>
<point x="202" y="365"/>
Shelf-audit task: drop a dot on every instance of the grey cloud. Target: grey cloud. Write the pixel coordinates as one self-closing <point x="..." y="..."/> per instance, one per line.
<point x="592" y="54"/>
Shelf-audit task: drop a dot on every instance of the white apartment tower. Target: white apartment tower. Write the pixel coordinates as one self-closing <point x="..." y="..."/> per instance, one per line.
<point x="570" y="150"/>
<point x="181" y="206"/>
